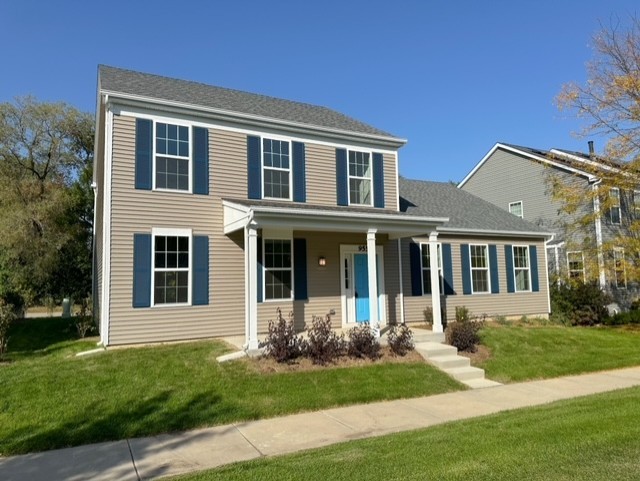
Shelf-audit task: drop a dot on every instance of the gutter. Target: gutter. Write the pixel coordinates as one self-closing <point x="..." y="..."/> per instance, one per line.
<point x="457" y="230"/>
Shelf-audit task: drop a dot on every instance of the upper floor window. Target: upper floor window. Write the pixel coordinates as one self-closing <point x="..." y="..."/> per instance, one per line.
<point x="521" y="268"/>
<point x="614" y="210"/>
<point x="426" y="269"/>
<point x="360" y="178"/>
<point x="171" y="272"/>
<point x="278" y="278"/>
<point x="516" y="208"/>
<point x="276" y="163"/>
<point x="575" y="265"/>
<point x="619" y="268"/>
<point x="172" y="157"/>
<point x="636" y="204"/>
<point x="479" y="268"/>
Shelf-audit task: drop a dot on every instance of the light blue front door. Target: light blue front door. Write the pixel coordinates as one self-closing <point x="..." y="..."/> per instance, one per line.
<point x="361" y="286"/>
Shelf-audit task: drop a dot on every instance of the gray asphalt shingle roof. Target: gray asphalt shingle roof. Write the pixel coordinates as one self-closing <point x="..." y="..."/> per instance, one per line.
<point x="465" y="211"/>
<point x="119" y="80"/>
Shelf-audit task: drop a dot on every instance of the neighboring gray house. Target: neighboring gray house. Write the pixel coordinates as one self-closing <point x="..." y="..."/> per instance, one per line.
<point x="515" y="178"/>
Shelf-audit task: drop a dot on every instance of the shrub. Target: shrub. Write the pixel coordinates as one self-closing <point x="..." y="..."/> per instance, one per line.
<point x="631" y="317"/>
<point x="7" y="316"/>
<point x="579" y="304"/>
<point x="463" y="314"/>
<point x="282" y="344"/>
<point x="428" y="315"/>
<point x="324" y="345"/>
<point x="464" y="335"/>
<point x="84" y="318"/>
<point x="400" y="340"/>
<point x="502" y="320"/>
<point x="363" y="343"/>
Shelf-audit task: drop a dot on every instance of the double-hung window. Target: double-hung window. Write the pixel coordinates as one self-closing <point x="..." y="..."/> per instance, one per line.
<point x="171" y="266"/>
<point x="276" y="163"/>
<point x="479" y="268"/>
<point x="521" y="268"/>
<point x="614" y="210"/>
<point x="426" y="269"/>
<point x="516" y="208"/>
<point x="636" y="204"/>
<point x="619" y="267"/>
<point x="575" y="265"/>
<point x="277" y="269"/>
<point x="360" y="178"/>
<point x="172" y="156"/>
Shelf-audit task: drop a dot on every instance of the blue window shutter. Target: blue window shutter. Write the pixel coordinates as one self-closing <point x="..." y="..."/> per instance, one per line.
<point x="254" y="168"/>
<point x="508" y="257"/>
<point x="533" y="258"/>
<point x="300" y="269"/>
<point x="416" y="269"/>
<point x="141" y="270"/>
<point x="378" y="180"/>
<point x="447" y="269"/>
<point x="200" y="161"/>
<point x="466" y="268"/>
<point x="299" y="173"/>
<point x="200" y="288"/>
<point x="259" y="270"/>
<point x="144" y="151"/>
<point x="493" y="269"/>
<point x="342" y="187"/>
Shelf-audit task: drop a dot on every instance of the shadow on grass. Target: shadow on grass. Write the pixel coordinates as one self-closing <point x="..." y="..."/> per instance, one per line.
<point x="31" y="336"/>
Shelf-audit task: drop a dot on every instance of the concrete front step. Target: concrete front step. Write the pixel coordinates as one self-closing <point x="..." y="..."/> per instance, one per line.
<point x="435" y="349"/>
<point x="450" y="362"/>
<point x="466" y="373"/>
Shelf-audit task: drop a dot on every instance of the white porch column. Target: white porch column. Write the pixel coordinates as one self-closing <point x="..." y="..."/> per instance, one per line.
<point x="251" y="258"/>
<point x="374" y="320"/>
<point x="435" y="282"/>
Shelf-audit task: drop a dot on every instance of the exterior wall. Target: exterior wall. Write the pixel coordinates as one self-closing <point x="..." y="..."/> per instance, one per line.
<point x="99" y="217"/>
<point x="503" y="303"/>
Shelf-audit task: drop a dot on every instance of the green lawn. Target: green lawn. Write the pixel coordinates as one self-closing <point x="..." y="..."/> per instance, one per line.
<point x="533" y="352"/>
<point x="52" y="399"/>
<point x="593" y="437"/>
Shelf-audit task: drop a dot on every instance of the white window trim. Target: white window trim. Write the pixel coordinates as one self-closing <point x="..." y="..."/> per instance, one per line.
<point x="153" y="160"/>
<point x="636" y="204"/>
<point x="611" y="190"/>
<point x="569" y="270"/>
<point x="624" y="267"/>
<point x="162" y="232"/>
<point x="488" y="269"/>
<point x="521" y="208"/>
<point x="263" y="167"/>
<point x="370" y="178"/>
<point x="264" y="269"/>
<point x="528" y="268"/>
<point x="425" y="245"/>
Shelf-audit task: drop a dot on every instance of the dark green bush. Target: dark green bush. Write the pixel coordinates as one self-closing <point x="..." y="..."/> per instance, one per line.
<point x="631" y="317"/>
<point x="7" y="316"/>
<point x="282" y="343"/>
<point x="400" y="339"/>
<point x="579" y="304"/>
<point x="324" y="345"/>
<point x="464" y="335"/>
<point x="363" y="343"/>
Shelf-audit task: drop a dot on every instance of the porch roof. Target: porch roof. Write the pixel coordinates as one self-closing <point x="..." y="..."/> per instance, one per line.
<point x="238" y="213"/>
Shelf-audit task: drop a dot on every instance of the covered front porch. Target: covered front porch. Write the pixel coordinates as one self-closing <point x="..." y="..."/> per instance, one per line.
<point x="314" y="260"/>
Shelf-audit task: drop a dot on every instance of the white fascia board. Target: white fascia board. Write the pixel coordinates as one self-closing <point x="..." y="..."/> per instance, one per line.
<point x="501" y="233"/>
<point x="253" y="119"/>
<point x="591" y="163"/>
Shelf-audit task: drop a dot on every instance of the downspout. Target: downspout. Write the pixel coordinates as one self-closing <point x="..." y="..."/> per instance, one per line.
<point x="598" y="226"/>
<point x="401" y="293"/>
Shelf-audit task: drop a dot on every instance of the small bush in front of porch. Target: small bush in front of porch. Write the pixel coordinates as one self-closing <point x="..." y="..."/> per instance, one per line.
<point x="324" y="345"/>
<point x="282" y="343"/>
<point x="363" y="343"/>
<point x="400" y="339"/>
<point x="463" y="334"/>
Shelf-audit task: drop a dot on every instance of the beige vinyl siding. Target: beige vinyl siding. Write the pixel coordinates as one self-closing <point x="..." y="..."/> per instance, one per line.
<point x="504" y="303"/>
<point x="138" y="211"/>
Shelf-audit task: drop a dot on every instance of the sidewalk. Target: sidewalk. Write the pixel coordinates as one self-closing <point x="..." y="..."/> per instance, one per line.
<point x="149" y="458"/>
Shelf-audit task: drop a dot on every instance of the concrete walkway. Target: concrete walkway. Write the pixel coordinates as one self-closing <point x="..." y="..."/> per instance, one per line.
<point x="149" y="458"/>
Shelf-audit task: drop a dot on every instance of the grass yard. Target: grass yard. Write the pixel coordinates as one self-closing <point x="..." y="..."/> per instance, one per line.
<point x="51" y="399"/>
<point x="593" y="437"/>
<point x="521" y="353"/>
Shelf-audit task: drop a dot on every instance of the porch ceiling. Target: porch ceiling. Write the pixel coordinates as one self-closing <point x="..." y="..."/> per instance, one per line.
<point x="296" y="216"/>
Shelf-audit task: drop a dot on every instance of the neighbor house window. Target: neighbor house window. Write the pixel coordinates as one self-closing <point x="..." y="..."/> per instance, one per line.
<point x="479" y="268"/>
<point x="614" y="210"/>
<point x="575" y="264"/>
<point x="277" y="267"/>
<point x="276" y="162"/>
<point x="619" y="268"/>
<point x="171" y="263"/>
<point x="172" y="157"/>
<point x="516" y="208"/>
<point x="636" y="204"/>
<point x="521" y="268"/>
<point x="360" y="178"/>
<point x="426" y="269"/>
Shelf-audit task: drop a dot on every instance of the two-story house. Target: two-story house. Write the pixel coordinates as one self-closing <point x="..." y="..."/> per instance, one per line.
<point x="519" y="180"/>
<point x="214" y="207"/>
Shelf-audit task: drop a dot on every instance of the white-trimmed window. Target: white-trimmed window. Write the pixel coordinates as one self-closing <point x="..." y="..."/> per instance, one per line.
<point x="426" y="269"/>
<point x="521" y="268"/>
<point x="276" y="169"/>
<point x="619" y="267"/>
<point x="172" y="156"/>
<point x="171" y="266"/>
<point x="360" y="178"/>
<point x="575" y="265"/>
<point x="278" y="272"/>
<point x="480" y="281"/>
<point x="516" y="208"/>
<point x="636" y="204"/>
<point x="614" y="210"/>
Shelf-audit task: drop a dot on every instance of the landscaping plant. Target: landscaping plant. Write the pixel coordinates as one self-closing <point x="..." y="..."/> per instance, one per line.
<point x="400" y="339"/>
<point x="324" y="345"/>
<point x="363" y="343"/>
<point x="463" y="334"/>
<point x="579" y="304"/>
<point x="282" y="343"/>
<point x="7" y="315"/>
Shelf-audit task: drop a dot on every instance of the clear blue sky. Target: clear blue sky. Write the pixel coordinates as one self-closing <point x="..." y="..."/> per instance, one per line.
<point x="452" y="77"/>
